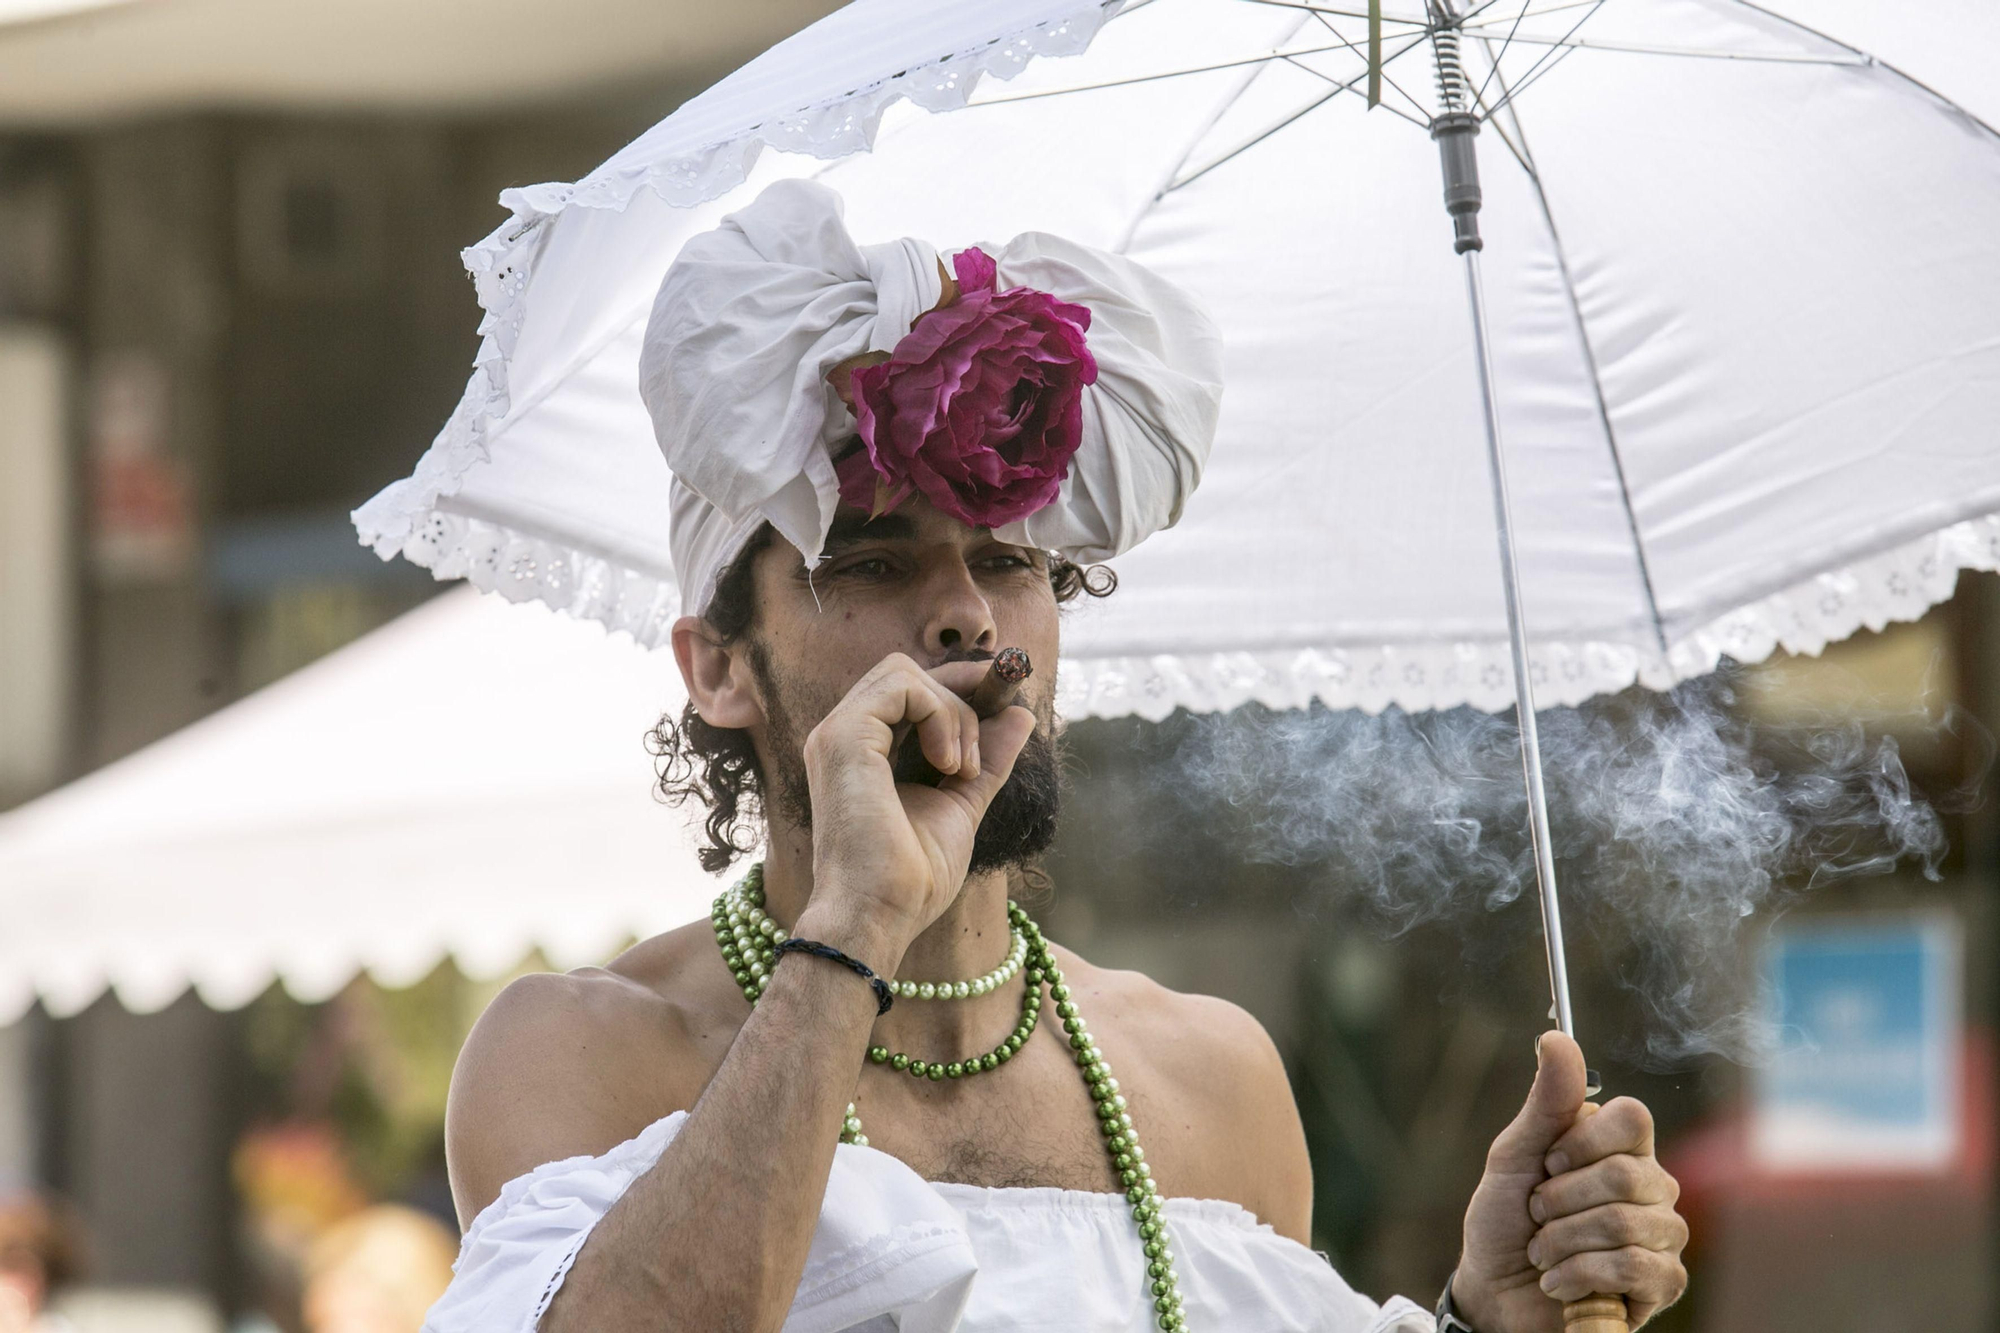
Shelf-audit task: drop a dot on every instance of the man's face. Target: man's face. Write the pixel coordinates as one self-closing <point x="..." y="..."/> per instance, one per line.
<point x="918" y="582"/>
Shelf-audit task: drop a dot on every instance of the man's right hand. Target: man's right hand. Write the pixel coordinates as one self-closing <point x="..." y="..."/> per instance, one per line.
<point x="888" y="858"/>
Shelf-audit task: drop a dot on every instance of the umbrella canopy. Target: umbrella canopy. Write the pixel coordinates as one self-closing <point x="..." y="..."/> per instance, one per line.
<point x="1742" y="286"/>
<point x="468" y="781"/>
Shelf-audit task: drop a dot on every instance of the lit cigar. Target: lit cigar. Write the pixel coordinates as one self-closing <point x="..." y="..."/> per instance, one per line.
<point x="998" y="689"/>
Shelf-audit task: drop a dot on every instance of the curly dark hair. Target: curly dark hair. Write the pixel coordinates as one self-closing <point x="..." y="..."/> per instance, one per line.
<point x="717" y="766"/>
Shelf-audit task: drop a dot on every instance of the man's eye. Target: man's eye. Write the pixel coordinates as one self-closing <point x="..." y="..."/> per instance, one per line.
<point x="1008" y="562"/>
<point x="867" y="569"/>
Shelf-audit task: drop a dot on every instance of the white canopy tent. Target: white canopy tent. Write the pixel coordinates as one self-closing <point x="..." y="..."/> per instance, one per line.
<point x="469" y="781"/>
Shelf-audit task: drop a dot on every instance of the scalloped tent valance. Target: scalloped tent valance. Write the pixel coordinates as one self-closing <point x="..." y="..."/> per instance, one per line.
<point x="468" y="782"/>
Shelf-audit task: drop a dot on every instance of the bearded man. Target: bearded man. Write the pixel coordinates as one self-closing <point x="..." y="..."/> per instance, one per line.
<point x="868" y="1094"/>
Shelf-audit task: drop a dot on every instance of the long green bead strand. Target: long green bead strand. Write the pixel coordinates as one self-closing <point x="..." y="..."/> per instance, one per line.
<point x="1121" y="1142"/>
<point x="748" y="937"/>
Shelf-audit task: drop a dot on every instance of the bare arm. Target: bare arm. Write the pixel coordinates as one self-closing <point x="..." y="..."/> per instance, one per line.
<point x="715" y="1235"/>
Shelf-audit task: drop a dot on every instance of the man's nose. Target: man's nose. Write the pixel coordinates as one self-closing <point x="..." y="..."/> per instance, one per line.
<point x="959" y="618"/>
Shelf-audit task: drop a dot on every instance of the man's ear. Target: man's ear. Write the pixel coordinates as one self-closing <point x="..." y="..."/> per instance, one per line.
<point x="718" y="678"/>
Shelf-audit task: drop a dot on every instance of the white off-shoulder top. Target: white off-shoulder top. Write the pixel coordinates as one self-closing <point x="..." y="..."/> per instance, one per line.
<point x="895" y="1253"/>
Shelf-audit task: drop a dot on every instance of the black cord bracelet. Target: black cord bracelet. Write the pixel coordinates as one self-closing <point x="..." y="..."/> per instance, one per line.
<point x="884" y="997"/>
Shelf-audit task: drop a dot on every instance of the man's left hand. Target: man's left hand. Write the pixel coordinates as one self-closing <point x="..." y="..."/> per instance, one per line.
<point x="1572" y="1204"/>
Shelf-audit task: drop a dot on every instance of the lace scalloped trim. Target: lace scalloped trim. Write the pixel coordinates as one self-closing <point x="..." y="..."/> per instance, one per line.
<point x="1899" y="584"/>
<point x="838" y="126"/>
<point x="1896" y="585"/>
<point x="502" y="264"/>
<point x="523" y="568"/>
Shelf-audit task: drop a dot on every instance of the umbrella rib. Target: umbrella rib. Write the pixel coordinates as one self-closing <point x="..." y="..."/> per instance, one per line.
<point x="1535" y="73"/>
<point x="1864" y="58"/>
<point x="1423" y="23"/>
<point x="1242" y="148"/>
<point x="1263" y="58"/>
<point x="1686" y="52"/>
<point x="1327" y="23"/>
<point x="1469" y="27"/>
<point x="1339" y="87"/>
<point x="1526" y="156"/>
<point x="1519" y="151"/>
<point x="1515" y="27"/>
<point x="1548" y="60"/>
<point x="1314" y="105"/>
<point x="1229" y="99"/>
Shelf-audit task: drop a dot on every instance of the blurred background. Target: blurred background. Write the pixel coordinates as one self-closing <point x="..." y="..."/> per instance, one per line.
<point x="231" y="309"/>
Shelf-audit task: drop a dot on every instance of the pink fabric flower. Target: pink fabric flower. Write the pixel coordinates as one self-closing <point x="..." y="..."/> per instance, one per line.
<point x="980" y="407"/>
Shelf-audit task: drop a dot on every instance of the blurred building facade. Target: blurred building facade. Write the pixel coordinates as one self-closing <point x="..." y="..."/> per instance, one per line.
<point x="219" y="332"/>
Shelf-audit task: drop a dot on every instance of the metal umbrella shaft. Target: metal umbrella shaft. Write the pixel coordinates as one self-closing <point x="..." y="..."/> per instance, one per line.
<point x="1454" y="129"/>
<point x="1524" y="689"/>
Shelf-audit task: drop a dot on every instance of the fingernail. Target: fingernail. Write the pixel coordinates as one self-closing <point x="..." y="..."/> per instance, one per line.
<point x="1549" y="1282"/>
<point x="1535" y="1254"/>
<point x="1557" y="1163"/>
<point x="1537" y="1209"/>
<point x="972" y="762"/>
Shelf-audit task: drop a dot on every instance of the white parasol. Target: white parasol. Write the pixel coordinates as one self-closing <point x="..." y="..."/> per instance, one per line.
<point x="1744" y="318"/>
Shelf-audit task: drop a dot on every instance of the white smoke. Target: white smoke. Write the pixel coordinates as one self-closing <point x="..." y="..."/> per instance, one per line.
<point x="1675" y="821"/>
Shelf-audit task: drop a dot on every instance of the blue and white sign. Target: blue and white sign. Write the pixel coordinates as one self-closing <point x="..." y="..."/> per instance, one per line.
<point x="1866" y="1075"/>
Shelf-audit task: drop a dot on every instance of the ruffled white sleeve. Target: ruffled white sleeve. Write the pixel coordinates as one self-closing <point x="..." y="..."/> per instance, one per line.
<point x="888" y="1252"/>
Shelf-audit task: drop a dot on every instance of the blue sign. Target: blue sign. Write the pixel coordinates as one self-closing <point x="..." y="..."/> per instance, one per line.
<point x="1865" y="1074"/>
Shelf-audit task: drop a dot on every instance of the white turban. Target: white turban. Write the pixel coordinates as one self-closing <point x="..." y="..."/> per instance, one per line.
<point x="753" y="314"/>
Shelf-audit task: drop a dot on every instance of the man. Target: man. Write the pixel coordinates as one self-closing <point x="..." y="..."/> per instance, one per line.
<point x="652" y="1145"/>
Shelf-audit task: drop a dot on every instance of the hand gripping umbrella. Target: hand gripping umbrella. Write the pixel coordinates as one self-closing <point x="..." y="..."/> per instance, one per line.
<point x="1738" y="327"/>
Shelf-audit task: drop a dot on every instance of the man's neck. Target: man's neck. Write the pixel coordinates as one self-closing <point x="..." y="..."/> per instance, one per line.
<point x="968" y="939"/>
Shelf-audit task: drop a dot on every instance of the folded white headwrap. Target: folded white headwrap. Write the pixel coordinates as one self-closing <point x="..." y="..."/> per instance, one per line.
<point x="753" y="314"/>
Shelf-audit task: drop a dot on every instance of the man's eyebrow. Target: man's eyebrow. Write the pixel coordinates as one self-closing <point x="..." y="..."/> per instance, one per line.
<point x="849" y="530"/>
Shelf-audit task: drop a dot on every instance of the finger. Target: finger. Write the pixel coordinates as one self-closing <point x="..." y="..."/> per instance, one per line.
<point x="1003" y="736"/>
<point x="1623" y="1178"/>
<point x="1641" y="1276"/>
<point x="1551" y="1108"/>
<point x="1622" y="1125"/>
<point x="969" y="727"/>
<point x="1609" y="1226"/>
<point x="957" y="680"/>
<point x="901" y="695"/>
<point x="934" y="713"/>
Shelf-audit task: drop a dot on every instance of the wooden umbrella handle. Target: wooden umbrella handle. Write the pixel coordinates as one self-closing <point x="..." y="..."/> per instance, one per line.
<point x="1596" y="1314"/>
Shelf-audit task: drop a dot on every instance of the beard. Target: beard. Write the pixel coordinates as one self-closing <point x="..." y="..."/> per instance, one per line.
<point x="1018" y="826"/>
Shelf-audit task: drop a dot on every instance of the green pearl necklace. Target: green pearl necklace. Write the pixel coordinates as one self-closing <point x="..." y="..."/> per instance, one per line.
<point x="747" y="942"/>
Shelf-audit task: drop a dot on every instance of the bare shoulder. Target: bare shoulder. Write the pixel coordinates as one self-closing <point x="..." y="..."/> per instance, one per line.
<point x="573" y="1064"/>
<point x="1224" y="1121"/>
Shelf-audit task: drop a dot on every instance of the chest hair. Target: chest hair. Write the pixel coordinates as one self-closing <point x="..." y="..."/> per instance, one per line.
<point x="1001" y="1147"/>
